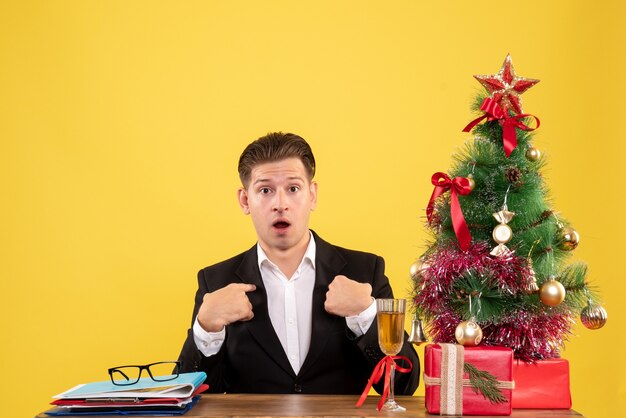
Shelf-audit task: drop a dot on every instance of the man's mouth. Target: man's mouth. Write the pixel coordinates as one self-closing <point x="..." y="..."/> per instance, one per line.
<point x="281" y="224"/>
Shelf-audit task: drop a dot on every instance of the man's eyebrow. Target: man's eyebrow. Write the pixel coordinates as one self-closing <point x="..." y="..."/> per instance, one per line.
<point x="262" y="180"/>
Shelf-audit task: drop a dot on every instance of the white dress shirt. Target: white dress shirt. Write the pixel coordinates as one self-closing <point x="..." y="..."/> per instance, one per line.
<point x="289" y="302"/>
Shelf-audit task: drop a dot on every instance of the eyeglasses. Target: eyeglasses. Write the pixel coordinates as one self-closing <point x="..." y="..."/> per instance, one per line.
<point x="161" y="371"/>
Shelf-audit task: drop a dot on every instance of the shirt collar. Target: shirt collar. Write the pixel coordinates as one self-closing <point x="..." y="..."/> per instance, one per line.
<point x="309" y="254"/>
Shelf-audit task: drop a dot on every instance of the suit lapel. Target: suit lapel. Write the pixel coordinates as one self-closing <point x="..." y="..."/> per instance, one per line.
<point x="328" y="263"/>
<point x="261" y="326"/>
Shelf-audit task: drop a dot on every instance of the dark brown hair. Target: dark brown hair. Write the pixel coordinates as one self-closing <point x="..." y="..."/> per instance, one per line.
<point x="275" y="146"/>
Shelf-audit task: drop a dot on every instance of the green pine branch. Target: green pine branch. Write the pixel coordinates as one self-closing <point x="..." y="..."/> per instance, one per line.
<point x="488" y="302"/>
<point x="578" y="293"/>
<point x="484" y="383"/>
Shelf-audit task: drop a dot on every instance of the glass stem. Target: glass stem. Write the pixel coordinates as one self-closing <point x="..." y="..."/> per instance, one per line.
<point x="392" y="375"/>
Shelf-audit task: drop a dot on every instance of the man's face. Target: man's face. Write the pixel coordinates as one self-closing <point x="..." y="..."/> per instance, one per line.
<point x="279" y="197"/>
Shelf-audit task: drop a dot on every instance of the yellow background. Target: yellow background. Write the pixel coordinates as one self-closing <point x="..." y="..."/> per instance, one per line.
<point x="121" y="123"/>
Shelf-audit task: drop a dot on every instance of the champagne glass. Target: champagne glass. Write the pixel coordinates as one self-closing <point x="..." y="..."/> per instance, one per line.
<point x="390" y="318"/>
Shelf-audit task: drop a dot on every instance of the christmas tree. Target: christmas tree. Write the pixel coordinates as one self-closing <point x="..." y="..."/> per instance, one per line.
<point x="497" y="270"/>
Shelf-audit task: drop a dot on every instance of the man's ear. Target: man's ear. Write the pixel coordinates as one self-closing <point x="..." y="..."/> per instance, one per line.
<point x="242" y="196"/>
<point x="313" y="190"/>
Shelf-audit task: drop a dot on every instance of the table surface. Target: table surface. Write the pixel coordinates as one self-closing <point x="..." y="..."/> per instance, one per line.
<point x="254" y="405"/>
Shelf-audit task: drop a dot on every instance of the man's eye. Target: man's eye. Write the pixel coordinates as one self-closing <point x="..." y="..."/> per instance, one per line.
<point x="294" y="189"/>
<point x="264" y="190"/>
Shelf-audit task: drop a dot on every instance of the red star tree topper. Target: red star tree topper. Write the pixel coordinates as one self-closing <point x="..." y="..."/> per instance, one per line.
<point x="506" y="87"/>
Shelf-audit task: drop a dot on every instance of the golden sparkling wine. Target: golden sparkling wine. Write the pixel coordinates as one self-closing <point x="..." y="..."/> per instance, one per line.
<point x="390" y="332"/>
<point x="390" y="318"/>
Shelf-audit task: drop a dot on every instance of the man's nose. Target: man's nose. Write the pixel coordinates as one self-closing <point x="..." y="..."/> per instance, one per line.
<point x="280" y="201"/>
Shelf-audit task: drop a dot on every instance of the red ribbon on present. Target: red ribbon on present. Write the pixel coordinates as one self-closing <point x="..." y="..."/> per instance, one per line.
<point x="460" y="185"/>
<point x="493" y="111"/>
<point x="383" y="366"/>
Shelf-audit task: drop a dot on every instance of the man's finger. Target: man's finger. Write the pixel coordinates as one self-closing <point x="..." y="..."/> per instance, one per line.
<point x="247" y="287"/>
<point x="249" y="317"/>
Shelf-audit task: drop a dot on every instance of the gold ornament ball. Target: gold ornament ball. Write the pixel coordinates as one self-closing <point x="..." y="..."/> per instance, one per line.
<point x="417" y="267"/>
<point x="568" y="238"/>
<point x="533" y="154"/>
<point x="472" y="182"/>
<point x="468" y="333"/>
<point x="593" y="316"/>
<point x="552" y="293"/>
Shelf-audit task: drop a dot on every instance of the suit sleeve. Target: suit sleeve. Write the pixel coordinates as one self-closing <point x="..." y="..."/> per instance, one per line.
<point x="405" y="383"/>
<point x="191" y="358"/>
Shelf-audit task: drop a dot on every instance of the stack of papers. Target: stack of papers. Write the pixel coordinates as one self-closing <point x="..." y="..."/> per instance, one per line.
<point x="146" y="397"/>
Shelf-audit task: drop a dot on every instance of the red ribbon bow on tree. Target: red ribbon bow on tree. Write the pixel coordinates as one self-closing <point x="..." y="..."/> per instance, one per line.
<point x="460" y="185"/>
<point x="383" y="366"/>
<point x="494" y="112"/>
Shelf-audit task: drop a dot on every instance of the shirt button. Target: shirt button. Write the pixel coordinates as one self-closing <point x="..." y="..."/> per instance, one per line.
<point x="205" y="343"/>
<point x="293" y="356"/>
<point x="290" y="320"/>
<point x="297" y="388"/>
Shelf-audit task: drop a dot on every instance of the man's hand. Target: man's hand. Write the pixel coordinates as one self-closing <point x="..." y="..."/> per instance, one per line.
<point x="225" y="306"/>
<point x="346" y="297"/>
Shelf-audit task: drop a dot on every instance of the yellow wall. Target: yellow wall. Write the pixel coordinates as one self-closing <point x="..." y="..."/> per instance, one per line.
<point x="121" y="124"/>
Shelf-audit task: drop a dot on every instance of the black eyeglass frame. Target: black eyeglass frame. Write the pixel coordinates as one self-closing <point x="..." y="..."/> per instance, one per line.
<point x="145" y="367"/>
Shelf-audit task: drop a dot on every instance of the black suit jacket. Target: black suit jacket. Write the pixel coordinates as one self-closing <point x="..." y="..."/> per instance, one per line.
<point x="252" y="360"/>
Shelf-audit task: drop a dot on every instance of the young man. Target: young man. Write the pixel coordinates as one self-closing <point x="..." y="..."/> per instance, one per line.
<point x="293" y="314"/>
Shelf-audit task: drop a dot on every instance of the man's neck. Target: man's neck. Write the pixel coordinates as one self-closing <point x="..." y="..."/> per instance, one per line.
<point x="289" y="259"/>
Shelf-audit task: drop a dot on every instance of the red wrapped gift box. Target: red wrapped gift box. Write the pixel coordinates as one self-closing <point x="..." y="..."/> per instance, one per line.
<point x="496" y="360"/>
<point x="542" y="385"/>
